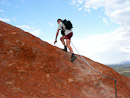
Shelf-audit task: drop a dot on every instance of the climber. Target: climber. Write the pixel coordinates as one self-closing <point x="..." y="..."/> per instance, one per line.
<point x="66" y="34"/>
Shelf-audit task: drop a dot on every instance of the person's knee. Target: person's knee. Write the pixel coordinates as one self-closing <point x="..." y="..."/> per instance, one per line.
<point x="61" y="38"/>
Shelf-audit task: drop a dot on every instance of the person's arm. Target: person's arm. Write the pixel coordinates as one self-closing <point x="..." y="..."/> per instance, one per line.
<point x="56" y="36"/>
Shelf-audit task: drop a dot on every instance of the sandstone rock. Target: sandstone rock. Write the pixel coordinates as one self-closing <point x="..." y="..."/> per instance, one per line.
<point x="20" y="42"/>
<point x="14" y="33"/>
<point x="32" y="68"/>
<point x="2" y="96"/>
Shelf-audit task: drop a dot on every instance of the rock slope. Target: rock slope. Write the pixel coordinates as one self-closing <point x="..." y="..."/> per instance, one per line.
<point x="32" y="68"/>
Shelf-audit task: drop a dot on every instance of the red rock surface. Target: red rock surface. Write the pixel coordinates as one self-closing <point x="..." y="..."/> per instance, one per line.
<point x="32" y="68"/>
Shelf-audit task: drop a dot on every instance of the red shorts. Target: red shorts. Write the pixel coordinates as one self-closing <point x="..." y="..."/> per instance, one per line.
<point x="69" y="35"/>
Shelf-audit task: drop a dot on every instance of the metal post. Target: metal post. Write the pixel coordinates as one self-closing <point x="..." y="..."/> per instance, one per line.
<point x="115" y="89"/>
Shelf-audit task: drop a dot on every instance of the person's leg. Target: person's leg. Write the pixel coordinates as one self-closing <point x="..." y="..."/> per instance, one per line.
<point x="68" y="45"/>
<point x="63" y="42"/>
<point x="73" y="57"/>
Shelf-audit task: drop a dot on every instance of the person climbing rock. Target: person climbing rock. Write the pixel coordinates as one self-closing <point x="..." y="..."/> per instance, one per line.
<point x="67" y="33"/>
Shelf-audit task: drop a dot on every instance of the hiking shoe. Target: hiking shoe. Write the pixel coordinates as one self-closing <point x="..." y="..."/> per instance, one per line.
<point x="73" y="57"/>
<point x="65" y="49"/>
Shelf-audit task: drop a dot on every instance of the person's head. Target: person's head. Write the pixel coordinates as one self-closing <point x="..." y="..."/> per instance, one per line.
<point x="59" y="20"/>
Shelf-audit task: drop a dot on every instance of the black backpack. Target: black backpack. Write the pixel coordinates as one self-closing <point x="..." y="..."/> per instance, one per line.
<point x="67" y="24"/>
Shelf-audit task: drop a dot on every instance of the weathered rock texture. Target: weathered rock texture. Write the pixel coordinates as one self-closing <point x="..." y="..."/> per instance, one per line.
<point x="32" y="68"/>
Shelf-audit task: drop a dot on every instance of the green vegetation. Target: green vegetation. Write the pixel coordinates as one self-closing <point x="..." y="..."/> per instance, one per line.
<point x="122" y="69"/>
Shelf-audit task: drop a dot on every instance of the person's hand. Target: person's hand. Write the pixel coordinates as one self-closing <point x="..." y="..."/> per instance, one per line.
<point x="55" y="41"/>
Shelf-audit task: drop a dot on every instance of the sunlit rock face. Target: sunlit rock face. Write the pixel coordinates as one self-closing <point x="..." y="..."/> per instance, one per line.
<point x="32" y="68"/>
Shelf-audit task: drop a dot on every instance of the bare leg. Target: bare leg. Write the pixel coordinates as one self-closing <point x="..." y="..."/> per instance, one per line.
<point x="68" y="45"/>
<point x="62" y="40"/>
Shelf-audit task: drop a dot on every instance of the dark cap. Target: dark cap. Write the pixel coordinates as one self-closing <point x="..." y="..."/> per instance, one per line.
<point x="59" y="20"/>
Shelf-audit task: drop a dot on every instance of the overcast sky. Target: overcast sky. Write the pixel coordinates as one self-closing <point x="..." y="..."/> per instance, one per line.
<point x="101" y="27"/>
